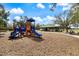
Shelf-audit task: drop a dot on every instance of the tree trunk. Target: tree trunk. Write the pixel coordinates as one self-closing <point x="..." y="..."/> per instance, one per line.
<point x="66" y="30"/>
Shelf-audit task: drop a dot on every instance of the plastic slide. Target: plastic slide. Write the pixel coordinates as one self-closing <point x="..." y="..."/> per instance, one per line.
<point x="15" y="33"/>
<point x="36" y="34"/>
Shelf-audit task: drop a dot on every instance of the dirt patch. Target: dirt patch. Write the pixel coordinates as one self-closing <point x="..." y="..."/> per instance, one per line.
<point x="51" y="44"/>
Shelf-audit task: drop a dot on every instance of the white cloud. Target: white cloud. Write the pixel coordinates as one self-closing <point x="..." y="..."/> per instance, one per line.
<point x="38" y="19"/>
<point x="50" y="6"/>
<point x="66" y="6"/>
<point x="8" y="18"/>
<point x="18" y="18"/>
<point x="50" y="18"/>
<point x="40" y="5"/>
<point x="6" y="10"/>
<point x="44" y="20"/>
<point x="10" y="22"/>
<point x="17" y="11"/>
<point x="63" y="4"/>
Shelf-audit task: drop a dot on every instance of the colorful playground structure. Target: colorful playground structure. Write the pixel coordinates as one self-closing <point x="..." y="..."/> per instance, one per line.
<point x="27" y="30"/>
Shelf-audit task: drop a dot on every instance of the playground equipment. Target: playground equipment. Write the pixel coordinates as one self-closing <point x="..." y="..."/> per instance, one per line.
<point x="32" y="28"/>
<point x="15" y="33"/>
<point x="27" y="30"/>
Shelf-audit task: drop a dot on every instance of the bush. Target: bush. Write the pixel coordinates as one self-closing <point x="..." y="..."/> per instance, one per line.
<point x="72" y="32"/>
<point x="78" y="33"/>
<point x="10" y="29"/>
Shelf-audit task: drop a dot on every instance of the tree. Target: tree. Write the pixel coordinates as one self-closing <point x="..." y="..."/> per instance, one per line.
<point x="53" y="6"/>
<point x="75" y="15"/>
<point x="1" y="10"/>
<point x="37" y="26"/>
<point x="24" y="18"/>
<point x="64" y="20"/>
<point x="14" y="23"/>
<point x="4" y="16"/>
<point x="20" y="22"/>
<point x="1" y="23"/>
<point x="1" y="14"/>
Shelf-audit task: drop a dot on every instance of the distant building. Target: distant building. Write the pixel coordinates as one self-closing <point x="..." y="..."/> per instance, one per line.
<point x="56" y="28"/>
<point x="51" y="27"/>
<point x="73" y="26"/>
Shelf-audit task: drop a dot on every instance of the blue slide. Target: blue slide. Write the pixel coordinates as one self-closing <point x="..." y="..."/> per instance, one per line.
<point x="15" y="33"/>
<point x="36" y="34"/>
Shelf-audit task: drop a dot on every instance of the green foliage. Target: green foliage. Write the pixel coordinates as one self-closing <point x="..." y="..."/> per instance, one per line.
<point x="3" y="17"/>
<point x="69" y="17"/>
<point x="75" y="15"/>
<point x="37" y="26"/>
<point x="1" y="23"/>
<point x="21" y="22"/>
<point x="63" y="20"/>
<point x="75" y="18"/>
<point x="53" y="6"/>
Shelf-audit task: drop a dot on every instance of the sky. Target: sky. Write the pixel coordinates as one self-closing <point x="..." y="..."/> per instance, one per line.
<point x="39" y="11"/>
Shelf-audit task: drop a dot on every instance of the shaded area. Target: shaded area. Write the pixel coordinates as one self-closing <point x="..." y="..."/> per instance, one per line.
<point x="15" y="38"/>
<point x="37" y="39"/>
<point x="2" y="35"/>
